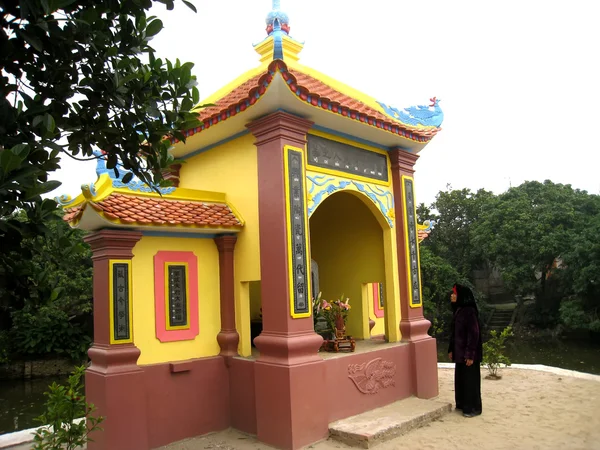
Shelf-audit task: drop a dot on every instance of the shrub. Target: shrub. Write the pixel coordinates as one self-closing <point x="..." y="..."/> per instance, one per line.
<point x="65" y="404"/>
<point x="48" y="330"/>
<point x="493" y="351"/>
<point x="572" y="314"/>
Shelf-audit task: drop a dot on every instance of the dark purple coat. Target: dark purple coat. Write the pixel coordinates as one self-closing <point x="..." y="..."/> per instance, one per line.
<point x="465" y="336"/>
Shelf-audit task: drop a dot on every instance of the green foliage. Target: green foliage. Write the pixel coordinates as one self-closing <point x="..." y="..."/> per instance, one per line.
<point x="524" y="230"/>
<point x="437" y="276"/>
<point x="574" y="317"/>
<point x="543" y="237"/>
<point x="46" y="294"/>
<point x="77" y="76"/>
<point x="457" y="211"/>
<point x="48" y="330"/>
<point x="493" y="351"/>
<point x="65" y="404"/>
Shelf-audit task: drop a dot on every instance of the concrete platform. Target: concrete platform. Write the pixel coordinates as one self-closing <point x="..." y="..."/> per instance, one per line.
<point x="383" y="424"/>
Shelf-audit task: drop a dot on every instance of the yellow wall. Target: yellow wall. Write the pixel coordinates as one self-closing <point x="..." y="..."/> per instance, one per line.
<point x="144" y="332"/>
<point x="255" y="300"/>
<point x="379" y="327"/>
<point x="347" y="243"/>
<point x="232" y="168"/>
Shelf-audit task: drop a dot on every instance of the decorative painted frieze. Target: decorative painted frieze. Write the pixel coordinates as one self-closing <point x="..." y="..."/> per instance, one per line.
<point x="321" y="186"/>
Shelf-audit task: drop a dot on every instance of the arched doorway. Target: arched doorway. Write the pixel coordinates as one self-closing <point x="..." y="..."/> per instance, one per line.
<point x="348" y="239"/>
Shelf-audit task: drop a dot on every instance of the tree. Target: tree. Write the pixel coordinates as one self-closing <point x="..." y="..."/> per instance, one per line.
<point x="437" y="276"/>
<point x="582" y="268"/>
<point x="456" y="213"/>
<point x="525" y="232"/>
<point x="80" y="75"/>
<point x="46" y="303"/>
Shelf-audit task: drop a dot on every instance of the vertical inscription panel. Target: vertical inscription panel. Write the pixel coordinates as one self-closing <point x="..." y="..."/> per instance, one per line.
<point x="177" y="296"/>
<point x="412" y="242"/>
<point x="120" y="302"/>
<point x="297" y="233"/>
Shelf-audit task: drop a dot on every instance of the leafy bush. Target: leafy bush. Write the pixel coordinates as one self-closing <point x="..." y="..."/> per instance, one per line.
<point x="493" y="351"/>
<point x="572" y="315"/>
<point x="64" y="406"/>
<point x="48" y="330"/>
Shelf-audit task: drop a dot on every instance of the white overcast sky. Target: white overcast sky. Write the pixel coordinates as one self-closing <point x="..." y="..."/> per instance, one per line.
<point x="519" y="81"/>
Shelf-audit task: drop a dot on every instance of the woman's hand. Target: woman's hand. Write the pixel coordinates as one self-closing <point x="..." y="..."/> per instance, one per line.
<point x="469" y="362"/>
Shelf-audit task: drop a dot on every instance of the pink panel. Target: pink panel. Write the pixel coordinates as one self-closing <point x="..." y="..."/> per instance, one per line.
<point x="160" y="318"/>
<point x="376" y="308"/>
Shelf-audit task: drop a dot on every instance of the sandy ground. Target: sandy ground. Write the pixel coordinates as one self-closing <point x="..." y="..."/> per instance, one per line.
<point x="524" y="410"/>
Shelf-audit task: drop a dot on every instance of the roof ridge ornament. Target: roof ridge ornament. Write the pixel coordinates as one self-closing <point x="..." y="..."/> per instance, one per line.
<point x="420" y="115"/>
<point x="277" y="20"/>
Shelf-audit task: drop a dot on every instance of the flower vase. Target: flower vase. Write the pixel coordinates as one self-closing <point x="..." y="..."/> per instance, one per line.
<point x="371" y="325"/>
<point x="340" y="327"/>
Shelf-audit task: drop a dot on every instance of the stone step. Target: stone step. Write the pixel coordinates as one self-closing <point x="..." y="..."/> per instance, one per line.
<point x="379" y="425"/>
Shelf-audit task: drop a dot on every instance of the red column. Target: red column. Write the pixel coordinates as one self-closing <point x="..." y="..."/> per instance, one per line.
<point x="413" y="325"/>
<point x="228" y="337"/>
<point x="114" y="383"/>
<point x="289" y="374"/>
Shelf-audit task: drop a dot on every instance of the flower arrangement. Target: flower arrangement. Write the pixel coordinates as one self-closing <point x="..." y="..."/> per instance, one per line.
<point x="335" y="312"/>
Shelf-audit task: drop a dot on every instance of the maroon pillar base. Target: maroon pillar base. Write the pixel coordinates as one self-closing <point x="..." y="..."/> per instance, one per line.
<point x="290" y="390"/>
<point x="291" y="404"/>
<point x="115" y="385"/>
<point x="424" y="352"/>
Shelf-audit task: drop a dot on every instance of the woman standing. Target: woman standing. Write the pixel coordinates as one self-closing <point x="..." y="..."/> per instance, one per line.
<point x="466" y="351"/>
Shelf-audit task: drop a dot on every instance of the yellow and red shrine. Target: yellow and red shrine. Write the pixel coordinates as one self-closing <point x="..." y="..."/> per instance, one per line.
<point x="294" y="183"/>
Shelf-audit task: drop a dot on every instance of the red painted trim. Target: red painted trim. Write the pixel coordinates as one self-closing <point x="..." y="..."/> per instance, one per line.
<point x="160" y="259"/>
<point x="376" y="308"/>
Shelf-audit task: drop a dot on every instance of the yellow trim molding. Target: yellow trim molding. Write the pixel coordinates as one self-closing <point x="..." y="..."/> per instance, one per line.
<point x="411" y="302"/>
<point x="111" y="301"/>
<point x="290" y="234"/>
<point x="168" y="327"/>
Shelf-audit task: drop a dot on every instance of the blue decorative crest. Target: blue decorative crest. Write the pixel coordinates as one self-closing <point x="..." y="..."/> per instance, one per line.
<point x="431" y="115"/>
<point x="64" y="200"/>
<point x="117" y="182"/>
<point x="375" y="195"/>
<point x="277" y="14"/>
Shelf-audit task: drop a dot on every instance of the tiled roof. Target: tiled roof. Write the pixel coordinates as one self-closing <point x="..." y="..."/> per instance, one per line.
<point x="73" y="213"/>
<point x="138" y="210"/>
<point x="311" y="91"/>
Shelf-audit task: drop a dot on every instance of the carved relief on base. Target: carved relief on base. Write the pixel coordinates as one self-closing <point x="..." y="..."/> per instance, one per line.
<point x="371" y="376"/>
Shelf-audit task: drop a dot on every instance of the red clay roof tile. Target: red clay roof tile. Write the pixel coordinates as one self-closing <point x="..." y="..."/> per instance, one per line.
<point x="132" y="209"/>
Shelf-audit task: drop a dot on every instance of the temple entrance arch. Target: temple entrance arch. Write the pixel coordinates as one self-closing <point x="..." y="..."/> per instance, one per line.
<point x="349" y="239"/>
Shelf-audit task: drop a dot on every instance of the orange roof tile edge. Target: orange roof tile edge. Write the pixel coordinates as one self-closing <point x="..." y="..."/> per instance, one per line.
<point x="311" y="91"/>
<point x="134" y="210"/>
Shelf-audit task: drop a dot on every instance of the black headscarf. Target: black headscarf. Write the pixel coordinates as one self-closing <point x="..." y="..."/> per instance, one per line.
<point x="464" y="298"/>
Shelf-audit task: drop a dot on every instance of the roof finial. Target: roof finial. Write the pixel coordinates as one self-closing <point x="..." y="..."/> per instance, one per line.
<point x="277" y="20"/>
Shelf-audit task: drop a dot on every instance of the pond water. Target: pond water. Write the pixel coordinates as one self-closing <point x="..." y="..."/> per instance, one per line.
<point x="582" y="356"/>
<point x="22" y="401"/>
